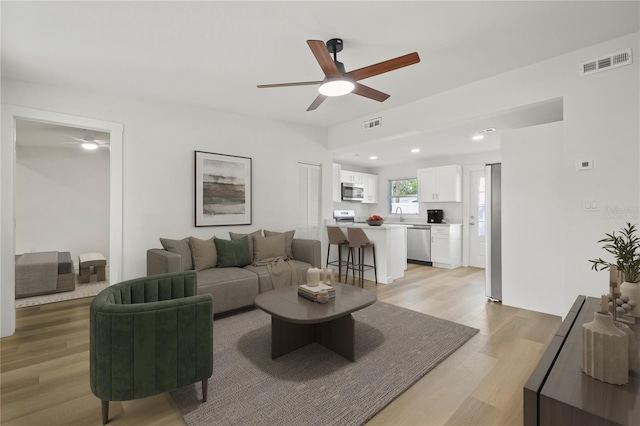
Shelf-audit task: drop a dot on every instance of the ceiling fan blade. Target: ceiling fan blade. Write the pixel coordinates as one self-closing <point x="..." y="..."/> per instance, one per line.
<point x="319" y="50"/>
<point x="370" y="93"/>
<point x="316" y="103"/>
<point x="386" y="66"/>
<point x="301" y="83"/>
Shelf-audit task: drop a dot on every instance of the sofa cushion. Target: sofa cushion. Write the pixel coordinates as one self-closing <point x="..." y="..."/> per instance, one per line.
<point x="231" y="288"/>
<point x="233" y="252"/>
<point x="180" y="247"/>
<point x="268" y="247"/>
<point x="237" y="236"/>
<point x="204" y="253"/>
<point x="288" y="240"/>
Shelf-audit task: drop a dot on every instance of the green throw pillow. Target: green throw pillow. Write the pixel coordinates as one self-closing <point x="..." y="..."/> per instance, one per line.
<point x="233" y="252"/>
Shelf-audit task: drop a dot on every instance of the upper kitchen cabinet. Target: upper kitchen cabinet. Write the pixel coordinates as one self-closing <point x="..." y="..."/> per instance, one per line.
<point x="440" y="184"/>
<point x="351" y="177"/>
<point x="370" y="188"/>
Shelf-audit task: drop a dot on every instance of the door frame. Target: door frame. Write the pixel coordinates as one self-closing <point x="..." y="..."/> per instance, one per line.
<point x="10" y="113"/>
<point x="466" y="194"/>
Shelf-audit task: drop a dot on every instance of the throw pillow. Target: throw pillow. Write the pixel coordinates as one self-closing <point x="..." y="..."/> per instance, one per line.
<point x="233" y="252"/>
<point x="268" y="247"/>
<point x="204" y="253"/>
<point x="236" y="236"/>
<point x="180" y="247"/>
<point x="288" y="240"/>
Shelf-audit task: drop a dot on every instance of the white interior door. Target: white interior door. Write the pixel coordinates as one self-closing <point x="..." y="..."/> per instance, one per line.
<point x="477" y="219"/>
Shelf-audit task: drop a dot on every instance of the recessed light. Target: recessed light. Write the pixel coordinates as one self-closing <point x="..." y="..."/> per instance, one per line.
<point x="477" y="137"/>
<point x="414" y="150"/>
<point x="90" y="145"/>
<point x="373" y="157"/>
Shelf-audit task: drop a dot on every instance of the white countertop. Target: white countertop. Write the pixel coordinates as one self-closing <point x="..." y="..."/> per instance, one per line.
<point x="367" y="226"/>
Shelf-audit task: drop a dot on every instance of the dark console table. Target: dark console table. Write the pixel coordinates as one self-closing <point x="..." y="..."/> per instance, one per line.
<point x="559" y="393"/>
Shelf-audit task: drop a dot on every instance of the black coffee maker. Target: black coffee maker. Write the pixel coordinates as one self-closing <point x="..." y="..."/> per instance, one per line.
<point x="435" y="216"/>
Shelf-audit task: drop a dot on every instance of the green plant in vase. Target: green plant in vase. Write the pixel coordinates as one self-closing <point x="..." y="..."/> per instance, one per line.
<point x="625" y="248"/>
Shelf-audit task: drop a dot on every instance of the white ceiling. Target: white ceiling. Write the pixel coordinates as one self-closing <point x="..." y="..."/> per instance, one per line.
<point x="213" y="54"/>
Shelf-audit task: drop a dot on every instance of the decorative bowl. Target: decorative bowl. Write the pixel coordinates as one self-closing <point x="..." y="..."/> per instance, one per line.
<point x="375" y="222"/>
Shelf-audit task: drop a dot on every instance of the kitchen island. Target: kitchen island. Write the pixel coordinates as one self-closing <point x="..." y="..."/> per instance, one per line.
<point x="391" y="251"/>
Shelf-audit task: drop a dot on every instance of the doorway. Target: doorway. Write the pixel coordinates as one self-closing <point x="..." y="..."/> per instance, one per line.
<point x="10" y="114"/>
<point x="477" y="219"/>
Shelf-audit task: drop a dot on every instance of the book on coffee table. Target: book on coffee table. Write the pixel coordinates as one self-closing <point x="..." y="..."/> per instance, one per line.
<point x="311" y="292"/>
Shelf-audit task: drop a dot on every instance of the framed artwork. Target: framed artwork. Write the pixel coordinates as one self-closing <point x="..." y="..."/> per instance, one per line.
<point x="223" y="189"/>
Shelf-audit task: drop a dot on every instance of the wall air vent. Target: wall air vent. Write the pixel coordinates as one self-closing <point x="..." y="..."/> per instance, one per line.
<point x="370" y="124"/>
<point x="604" y="63"/>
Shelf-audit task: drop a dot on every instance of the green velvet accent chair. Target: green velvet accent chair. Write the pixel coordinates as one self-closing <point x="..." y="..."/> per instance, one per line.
<point x="148" y="336"/>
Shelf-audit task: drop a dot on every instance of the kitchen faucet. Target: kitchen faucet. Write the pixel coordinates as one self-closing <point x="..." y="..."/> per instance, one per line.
<point x="401" y="217"/>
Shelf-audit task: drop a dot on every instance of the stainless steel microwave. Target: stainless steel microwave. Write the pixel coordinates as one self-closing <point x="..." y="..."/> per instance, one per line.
<point x="352" y="192"/>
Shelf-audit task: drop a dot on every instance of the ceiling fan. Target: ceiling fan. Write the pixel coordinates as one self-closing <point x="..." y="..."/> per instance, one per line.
<point x="89" y="141"/>
<point x="337" y="82"/>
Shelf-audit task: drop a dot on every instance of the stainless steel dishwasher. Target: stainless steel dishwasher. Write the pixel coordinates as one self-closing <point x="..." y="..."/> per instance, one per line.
<point x="419" y="244"/>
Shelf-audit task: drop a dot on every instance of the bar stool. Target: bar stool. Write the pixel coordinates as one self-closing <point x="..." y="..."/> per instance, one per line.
<point x="336" y="237"/>
<point x="358" y="239"/>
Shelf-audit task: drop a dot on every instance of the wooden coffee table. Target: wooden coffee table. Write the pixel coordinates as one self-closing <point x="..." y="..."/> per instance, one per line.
<point x="297" y="322"/>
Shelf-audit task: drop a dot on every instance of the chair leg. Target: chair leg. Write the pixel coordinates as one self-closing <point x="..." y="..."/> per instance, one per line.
<point x="328" y="251"/>
<point x="105" y="412"/>
<point x="353" y="266"/>
<point x="339" y="261"/>
<point x="205" y="388"/>
<point x="361" y="269"/>
<point x="375" y="267"/>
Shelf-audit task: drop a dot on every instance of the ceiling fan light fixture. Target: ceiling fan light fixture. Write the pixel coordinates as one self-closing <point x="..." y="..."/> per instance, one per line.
<point x="336" y="87"/>
<point x="90" y="146"/>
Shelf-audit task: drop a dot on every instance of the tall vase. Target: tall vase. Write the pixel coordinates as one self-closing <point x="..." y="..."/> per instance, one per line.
<point x="605" y="350"/>
<point x="632" y="291"/>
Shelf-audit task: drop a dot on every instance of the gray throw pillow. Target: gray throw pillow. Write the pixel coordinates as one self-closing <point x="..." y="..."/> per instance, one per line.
<point x="288" y="240"/>
<point x="204" y="253"/>
<point x="268" y="247"/>
<point x="180" y="247"/>
<point x="236" y="236"/>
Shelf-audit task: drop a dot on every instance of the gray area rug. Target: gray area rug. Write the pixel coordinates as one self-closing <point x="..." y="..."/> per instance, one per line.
<point x="314" y="386"/>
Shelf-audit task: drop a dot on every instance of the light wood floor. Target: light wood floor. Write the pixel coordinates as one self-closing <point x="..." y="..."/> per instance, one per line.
<point x="44" y="374"/>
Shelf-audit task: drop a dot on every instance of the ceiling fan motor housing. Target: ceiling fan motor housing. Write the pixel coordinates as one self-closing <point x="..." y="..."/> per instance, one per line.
<point x="335" y="45"/>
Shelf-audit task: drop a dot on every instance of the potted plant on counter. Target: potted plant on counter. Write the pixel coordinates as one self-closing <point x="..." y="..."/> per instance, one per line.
<point x="625" y="247"/>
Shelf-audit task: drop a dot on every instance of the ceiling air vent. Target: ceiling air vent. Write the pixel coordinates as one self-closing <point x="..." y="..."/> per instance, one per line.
<point x="370" y="124"/>
<point x="604" y="63"/>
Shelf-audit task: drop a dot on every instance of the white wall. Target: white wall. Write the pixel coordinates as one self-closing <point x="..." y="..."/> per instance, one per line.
<point x="158" y="156"/>
<point x="601" y="122"/>
<point x="62" y="200"/>
<point x="532" y="199"/>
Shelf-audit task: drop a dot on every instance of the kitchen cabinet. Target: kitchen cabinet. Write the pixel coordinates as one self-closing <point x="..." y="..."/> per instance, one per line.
<point x="370" y="188"/>
<point x="446" y="245"/>
<point x="369" y="181"/>
<point x="337" y="188"/>
<point x="440" y="184"/>
<point x="351" y="177"/>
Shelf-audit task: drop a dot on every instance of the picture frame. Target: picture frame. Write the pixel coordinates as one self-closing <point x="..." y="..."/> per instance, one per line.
<point x="222" y="189"/>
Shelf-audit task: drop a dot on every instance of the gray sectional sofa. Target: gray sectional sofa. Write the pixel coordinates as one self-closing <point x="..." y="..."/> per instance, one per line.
<point x="231" y="287"/>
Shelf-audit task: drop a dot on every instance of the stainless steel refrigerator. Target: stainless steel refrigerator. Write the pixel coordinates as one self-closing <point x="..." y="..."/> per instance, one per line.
<point x="493" y="238"/>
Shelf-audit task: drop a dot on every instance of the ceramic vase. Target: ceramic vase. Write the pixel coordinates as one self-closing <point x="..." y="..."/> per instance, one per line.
<point x="634" y="357"/>
<point x="328" y="276"/>
<point x="605" y="350"/>
<point x="323" y="296"/>
<point x="632" y="291"/>
<point x="313" y="277"/>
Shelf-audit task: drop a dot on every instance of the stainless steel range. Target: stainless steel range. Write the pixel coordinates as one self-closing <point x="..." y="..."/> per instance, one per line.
<point x="344" y="216"/>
